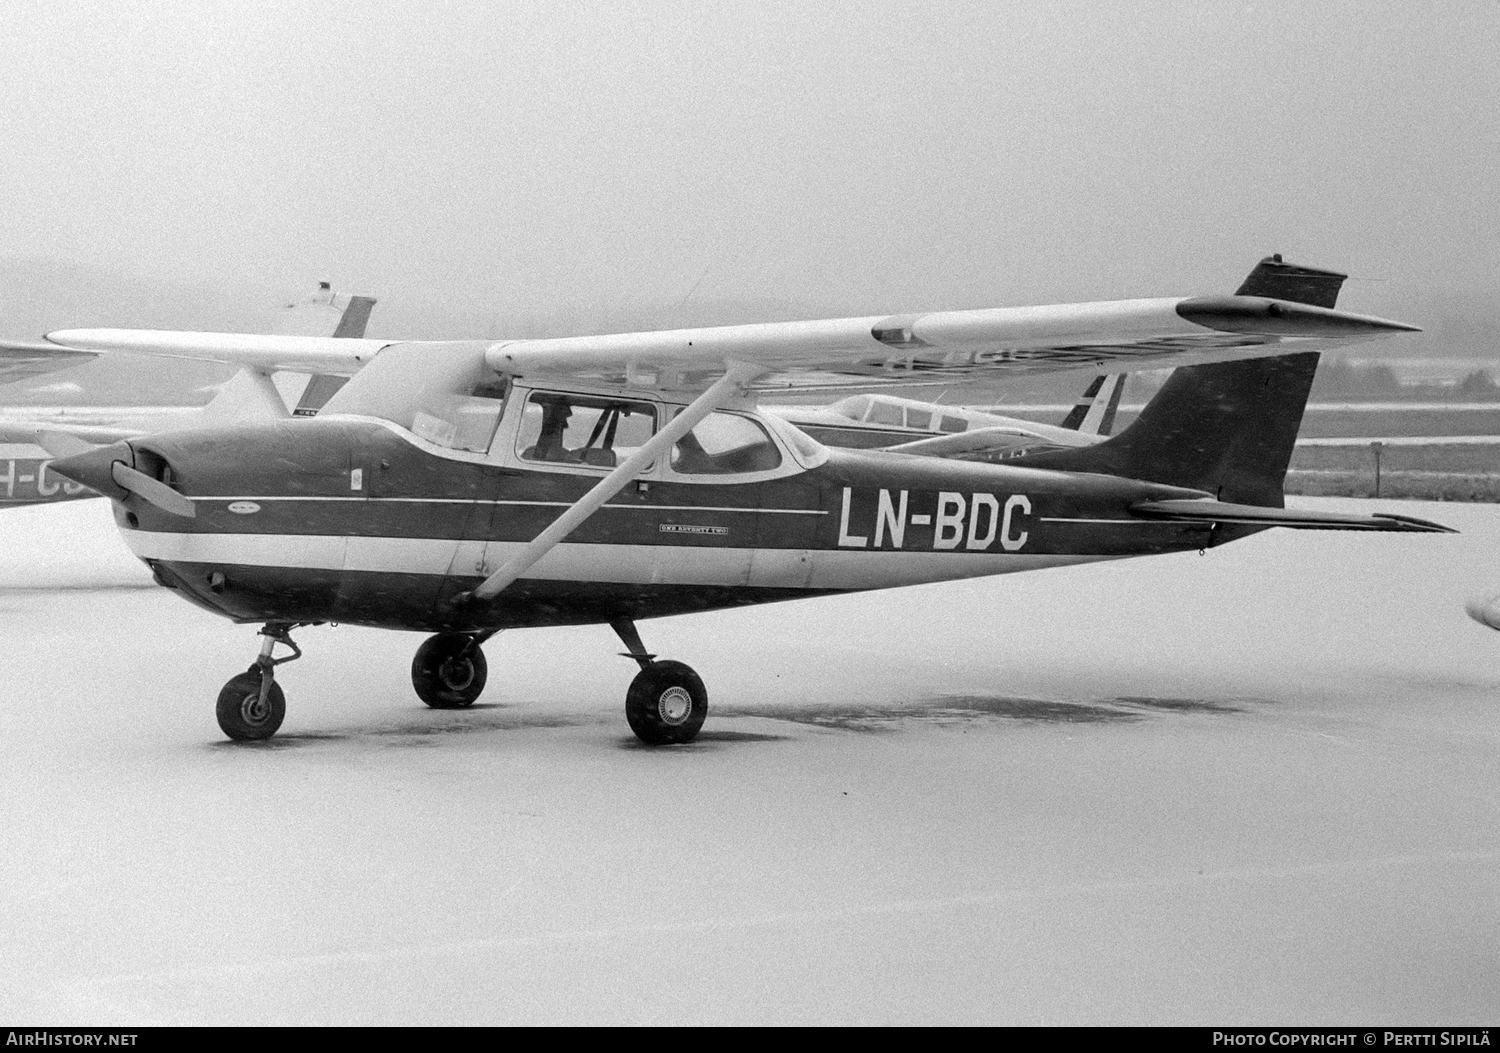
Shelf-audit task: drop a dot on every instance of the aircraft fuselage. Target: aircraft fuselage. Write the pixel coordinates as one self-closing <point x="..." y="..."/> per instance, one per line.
<point x="358" y="521"/>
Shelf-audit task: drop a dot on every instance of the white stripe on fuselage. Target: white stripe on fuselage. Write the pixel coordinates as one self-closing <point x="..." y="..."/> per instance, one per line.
<point x="362" y="499"/>
<point x="620" y="564"/>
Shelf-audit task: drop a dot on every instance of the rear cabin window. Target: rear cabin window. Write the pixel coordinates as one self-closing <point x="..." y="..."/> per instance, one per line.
<point x="464" y="422"/>
<point x="725" y="444"/>
<point x="953" y="425"/>
<point x="583" y="429"/>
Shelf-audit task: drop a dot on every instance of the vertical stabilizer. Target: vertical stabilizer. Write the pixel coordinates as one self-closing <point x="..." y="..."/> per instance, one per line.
<point x="1095" y="412"/>
<point x="1227" y="428"/>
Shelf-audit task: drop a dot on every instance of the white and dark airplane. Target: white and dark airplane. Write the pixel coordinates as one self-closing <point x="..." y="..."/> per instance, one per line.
<point x="878" y="421"/>
<point x="248" y="395"/>
<point x="462" y="488"/>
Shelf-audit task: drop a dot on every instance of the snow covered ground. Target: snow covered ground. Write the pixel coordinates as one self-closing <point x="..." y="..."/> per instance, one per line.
<point x="1260" y="786"/>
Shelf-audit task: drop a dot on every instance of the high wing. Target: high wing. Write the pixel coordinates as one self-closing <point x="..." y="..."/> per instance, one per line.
<point x="996" y="443"/>
<point x="22" y="360"/>
<point x="296" y="354"/>
<point x="951" y="346"/>
<point x="247" y="395"/>
<point x="937" y="347"/>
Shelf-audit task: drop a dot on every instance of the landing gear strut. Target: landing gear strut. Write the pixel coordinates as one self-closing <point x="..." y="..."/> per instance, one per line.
<point x="252" y="705"/>
<point x="667" y="702"/>
<point x="449" y="670"/>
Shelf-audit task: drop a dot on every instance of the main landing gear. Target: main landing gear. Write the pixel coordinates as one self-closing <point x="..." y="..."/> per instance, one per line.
<point x="252" y="705"/>
<point x="667" y="702"/>
<point x="449" y="669"/>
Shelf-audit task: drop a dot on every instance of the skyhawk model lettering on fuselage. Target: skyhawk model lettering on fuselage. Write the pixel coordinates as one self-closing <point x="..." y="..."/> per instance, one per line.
<point x="959" y="521"/>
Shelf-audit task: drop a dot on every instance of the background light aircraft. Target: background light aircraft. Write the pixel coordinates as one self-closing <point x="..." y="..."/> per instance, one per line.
<point x="25" y="476"/>
<point x="890" y="422"/>
<point x="461" y="488"/>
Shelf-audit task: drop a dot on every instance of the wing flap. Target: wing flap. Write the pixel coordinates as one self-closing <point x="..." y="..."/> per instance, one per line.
<point x="988" y="443"/>
<point x="1204" y="510"/>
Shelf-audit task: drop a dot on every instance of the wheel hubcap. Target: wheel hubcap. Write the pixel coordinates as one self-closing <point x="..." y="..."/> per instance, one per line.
<point x="253" y="710"/>
<point x="457" y="673"/>
<point x="675" y="705"/>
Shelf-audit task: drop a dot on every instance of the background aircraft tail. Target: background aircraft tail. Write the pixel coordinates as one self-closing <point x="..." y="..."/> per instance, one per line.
<point x="1227" y="428"/>
<point x="1095" y="412"/>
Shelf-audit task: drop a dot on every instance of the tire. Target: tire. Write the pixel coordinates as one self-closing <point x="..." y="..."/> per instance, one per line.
<point x="240" y="713"/>
<point x="449" y="671"/>
<point x="666" y="704"/>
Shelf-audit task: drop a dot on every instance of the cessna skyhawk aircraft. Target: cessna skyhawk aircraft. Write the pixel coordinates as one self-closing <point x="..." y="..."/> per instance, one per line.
<point x="461" y="488"/>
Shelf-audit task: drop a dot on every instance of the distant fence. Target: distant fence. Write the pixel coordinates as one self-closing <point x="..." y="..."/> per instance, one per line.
<point x="1427" y="471"/>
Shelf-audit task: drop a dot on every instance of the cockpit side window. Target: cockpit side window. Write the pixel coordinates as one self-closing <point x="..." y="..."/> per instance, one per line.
<point x="589" y="430"/>
<point x="884" y="413"/>
<point x="725" y="444"/>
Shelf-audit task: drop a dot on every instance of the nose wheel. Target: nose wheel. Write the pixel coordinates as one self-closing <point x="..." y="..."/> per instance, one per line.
<point x="252" y="705"/>
<point x="449" y="670"/>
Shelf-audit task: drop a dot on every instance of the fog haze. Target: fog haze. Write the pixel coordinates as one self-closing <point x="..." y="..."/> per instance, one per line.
<point x="519" y="168"/>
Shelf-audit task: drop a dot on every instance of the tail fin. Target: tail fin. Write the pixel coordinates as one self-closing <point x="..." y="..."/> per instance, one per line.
<point x="355" y="317"/>
<point x="1227" y="428"/>
<point x="1095" y="412"/>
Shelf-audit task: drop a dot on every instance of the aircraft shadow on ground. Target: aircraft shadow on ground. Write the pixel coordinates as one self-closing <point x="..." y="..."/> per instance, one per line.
<point x="427" y="728"/>
<point x="948" y="710"/>
<point x="423" y="729"/>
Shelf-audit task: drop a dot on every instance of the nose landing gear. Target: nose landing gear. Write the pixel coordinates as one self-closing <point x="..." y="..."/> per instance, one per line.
<point x="252" y="705"/>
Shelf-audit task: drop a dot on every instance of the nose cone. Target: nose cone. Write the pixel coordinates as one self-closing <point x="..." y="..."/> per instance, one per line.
<point x="95" y="469"/>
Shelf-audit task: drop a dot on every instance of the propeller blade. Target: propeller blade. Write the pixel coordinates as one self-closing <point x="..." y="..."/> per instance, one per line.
<point x="61" y="444"/>
<point x="148" y="489"/>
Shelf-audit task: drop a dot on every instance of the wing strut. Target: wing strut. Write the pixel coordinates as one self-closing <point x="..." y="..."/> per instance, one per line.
<point x="723" y="390"/>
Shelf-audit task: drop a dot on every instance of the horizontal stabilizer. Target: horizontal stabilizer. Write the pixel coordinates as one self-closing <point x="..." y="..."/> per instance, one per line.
<point x="1196" y="510"/>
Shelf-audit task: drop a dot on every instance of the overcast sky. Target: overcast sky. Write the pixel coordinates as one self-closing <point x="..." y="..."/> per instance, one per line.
<point x="503" y="160"/>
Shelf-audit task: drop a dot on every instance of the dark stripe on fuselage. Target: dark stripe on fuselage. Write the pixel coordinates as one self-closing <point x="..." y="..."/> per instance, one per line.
<point x="390" y="600"/>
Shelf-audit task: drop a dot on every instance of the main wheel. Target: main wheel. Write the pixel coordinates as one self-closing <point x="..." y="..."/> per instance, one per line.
<point x="449" y="671"/>
<point x="666" y="703"/>
<point x="241" y="713"/>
